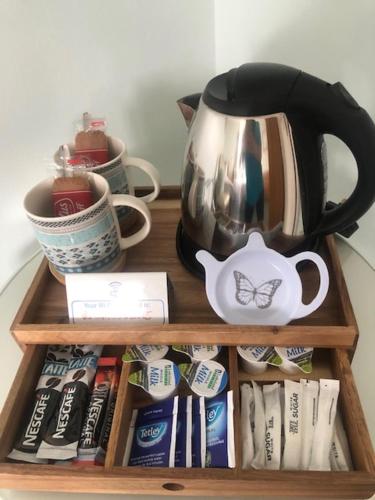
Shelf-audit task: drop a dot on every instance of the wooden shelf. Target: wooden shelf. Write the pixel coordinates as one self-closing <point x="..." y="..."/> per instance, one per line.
<point x="113" y="478"/>
<point x="43" y="315"/>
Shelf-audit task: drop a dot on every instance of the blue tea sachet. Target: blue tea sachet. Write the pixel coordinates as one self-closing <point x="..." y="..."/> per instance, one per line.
<point x="220" y="431"/>
<point x="152" y="435"/>
<point x="198" y="437"/>
<point x="183" y="433"/>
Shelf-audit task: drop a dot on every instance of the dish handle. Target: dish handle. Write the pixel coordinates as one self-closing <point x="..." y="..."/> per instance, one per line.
<point x="306" y="309"/>
<point x="208" y="261"/>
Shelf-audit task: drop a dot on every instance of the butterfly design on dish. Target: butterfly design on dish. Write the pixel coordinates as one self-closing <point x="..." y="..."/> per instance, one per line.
<point x="261" y="295"/>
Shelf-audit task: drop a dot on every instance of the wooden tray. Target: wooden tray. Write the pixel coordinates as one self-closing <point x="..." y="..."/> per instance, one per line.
<point x="43" y="316"/>
<point x="113" y="478"/>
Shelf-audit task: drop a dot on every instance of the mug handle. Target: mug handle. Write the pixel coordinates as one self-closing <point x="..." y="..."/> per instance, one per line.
<point x="150" y="170"/>
<point x="126" y="200"/>
<point x="304" y="310"/>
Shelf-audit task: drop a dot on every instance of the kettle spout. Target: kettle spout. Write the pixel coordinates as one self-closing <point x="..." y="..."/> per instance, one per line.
<point x="188" y="106"/>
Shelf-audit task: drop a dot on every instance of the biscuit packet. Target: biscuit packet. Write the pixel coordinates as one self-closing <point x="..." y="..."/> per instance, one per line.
<point x="91" y="142"/>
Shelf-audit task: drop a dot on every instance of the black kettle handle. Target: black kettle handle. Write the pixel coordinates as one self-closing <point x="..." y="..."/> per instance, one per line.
<point x="334" y="111"/>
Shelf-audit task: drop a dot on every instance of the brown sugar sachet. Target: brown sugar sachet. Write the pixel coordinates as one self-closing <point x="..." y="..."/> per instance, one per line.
<point x="71" y="195"/>
<point x="92" y="144"/>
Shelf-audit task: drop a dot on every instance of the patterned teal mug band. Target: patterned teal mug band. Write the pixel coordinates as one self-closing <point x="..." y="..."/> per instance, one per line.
<point x="90" y="240"/>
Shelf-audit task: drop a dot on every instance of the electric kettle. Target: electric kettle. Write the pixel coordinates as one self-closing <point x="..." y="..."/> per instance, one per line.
<point x="255" y="158"/>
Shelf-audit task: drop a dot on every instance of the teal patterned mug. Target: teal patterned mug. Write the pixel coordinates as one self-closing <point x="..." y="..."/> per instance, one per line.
<point x="87" y="241"/>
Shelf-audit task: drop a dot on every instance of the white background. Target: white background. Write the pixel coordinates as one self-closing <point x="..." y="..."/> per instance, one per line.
<point x="131" y="59"/>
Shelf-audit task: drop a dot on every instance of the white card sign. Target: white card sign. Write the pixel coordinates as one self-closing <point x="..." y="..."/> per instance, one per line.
<point x="133" y="297"/>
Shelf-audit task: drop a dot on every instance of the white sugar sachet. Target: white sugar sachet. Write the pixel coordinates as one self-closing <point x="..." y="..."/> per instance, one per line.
<point x="247" y="422"/>
<point x="323" y="432"/>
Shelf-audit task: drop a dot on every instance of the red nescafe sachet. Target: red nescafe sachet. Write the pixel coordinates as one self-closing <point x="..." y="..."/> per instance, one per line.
<point x="97" y="410"/>
<point x="108" y="418"/>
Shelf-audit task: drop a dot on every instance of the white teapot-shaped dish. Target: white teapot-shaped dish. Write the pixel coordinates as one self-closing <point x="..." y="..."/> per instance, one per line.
<point x="259" y="286"/>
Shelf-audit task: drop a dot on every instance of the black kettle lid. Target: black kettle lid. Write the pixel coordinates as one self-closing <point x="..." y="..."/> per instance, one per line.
<point x="253" y="89"/>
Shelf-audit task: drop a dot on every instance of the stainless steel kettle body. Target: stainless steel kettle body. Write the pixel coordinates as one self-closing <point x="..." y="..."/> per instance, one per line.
<point x="255" y="158"/>
<point x="240" y="173"/>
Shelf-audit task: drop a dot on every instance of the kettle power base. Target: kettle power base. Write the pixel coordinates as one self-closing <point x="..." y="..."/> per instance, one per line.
<point x="187" y="249"/>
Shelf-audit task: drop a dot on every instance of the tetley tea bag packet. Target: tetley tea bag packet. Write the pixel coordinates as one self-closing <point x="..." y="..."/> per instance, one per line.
<point x="183" y="433"/>
<point x="152" y="435"/>
<point x="220" y="431"/>
<point x="198" y="433"/>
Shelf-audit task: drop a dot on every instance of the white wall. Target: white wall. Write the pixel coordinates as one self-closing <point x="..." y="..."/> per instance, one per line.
<point x="127" y="59"/>
<point x="131" y="60"/>
<point x="331" y="39"/>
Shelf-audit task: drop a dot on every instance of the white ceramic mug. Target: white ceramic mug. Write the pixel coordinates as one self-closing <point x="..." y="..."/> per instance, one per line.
<point x="89" y="240"/>
<point x="116" y="172"/>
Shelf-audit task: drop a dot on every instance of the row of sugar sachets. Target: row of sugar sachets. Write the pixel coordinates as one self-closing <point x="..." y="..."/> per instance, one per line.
<point x="72" y="410"/>
<point x="183" y="432"/>
<point x="295" y="427"/>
